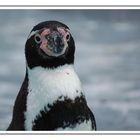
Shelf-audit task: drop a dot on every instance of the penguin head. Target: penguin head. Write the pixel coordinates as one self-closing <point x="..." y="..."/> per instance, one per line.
<point x="50" y="44"/>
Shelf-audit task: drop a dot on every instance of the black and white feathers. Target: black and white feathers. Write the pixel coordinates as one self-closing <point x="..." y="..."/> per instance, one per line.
<point x="51" y="96"/>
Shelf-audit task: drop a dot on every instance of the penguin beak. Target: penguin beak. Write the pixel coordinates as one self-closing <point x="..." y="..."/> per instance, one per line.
<point x="55" y="43"/>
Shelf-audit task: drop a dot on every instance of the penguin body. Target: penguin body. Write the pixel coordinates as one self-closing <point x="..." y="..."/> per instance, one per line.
<point x="51" y="96"/>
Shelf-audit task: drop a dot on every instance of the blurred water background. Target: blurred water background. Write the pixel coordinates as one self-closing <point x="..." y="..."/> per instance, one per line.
<point x="107" y="61"/>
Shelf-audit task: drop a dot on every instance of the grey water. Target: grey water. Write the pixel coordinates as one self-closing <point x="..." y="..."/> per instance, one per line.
<point x="107" y="61"/>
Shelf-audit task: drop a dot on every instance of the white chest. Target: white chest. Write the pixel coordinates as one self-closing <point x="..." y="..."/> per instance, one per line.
<point x="46" y="86"/>
<point x="84" y="126"/>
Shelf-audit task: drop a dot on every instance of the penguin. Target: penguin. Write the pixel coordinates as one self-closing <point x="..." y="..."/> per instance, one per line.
<point x="51" y="97"/>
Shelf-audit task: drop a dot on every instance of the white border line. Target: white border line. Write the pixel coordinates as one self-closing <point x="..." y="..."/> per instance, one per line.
<point x="68" y="7"/>
<point x="70" y="133"/>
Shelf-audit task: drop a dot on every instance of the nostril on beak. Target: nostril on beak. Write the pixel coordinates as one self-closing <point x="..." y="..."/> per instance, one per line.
<point x="58" y="41"/>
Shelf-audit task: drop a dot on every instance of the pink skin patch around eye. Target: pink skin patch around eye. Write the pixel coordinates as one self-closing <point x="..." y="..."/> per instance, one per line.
<point x="45" y="32"/>
<point x="64" y="32"/>
<point x="43" y="45"/>
<point x="61" y="30"/>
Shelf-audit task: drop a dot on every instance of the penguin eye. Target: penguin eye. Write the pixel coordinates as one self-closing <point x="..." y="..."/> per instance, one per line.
<point x="68" y="37"/>
<point x="37" y="38"/>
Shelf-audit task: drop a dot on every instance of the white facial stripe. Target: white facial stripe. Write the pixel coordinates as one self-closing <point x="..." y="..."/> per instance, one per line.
<point x="33" y="33"/>
<point x="46" y="86"/>
<point x="47" y="30"/>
